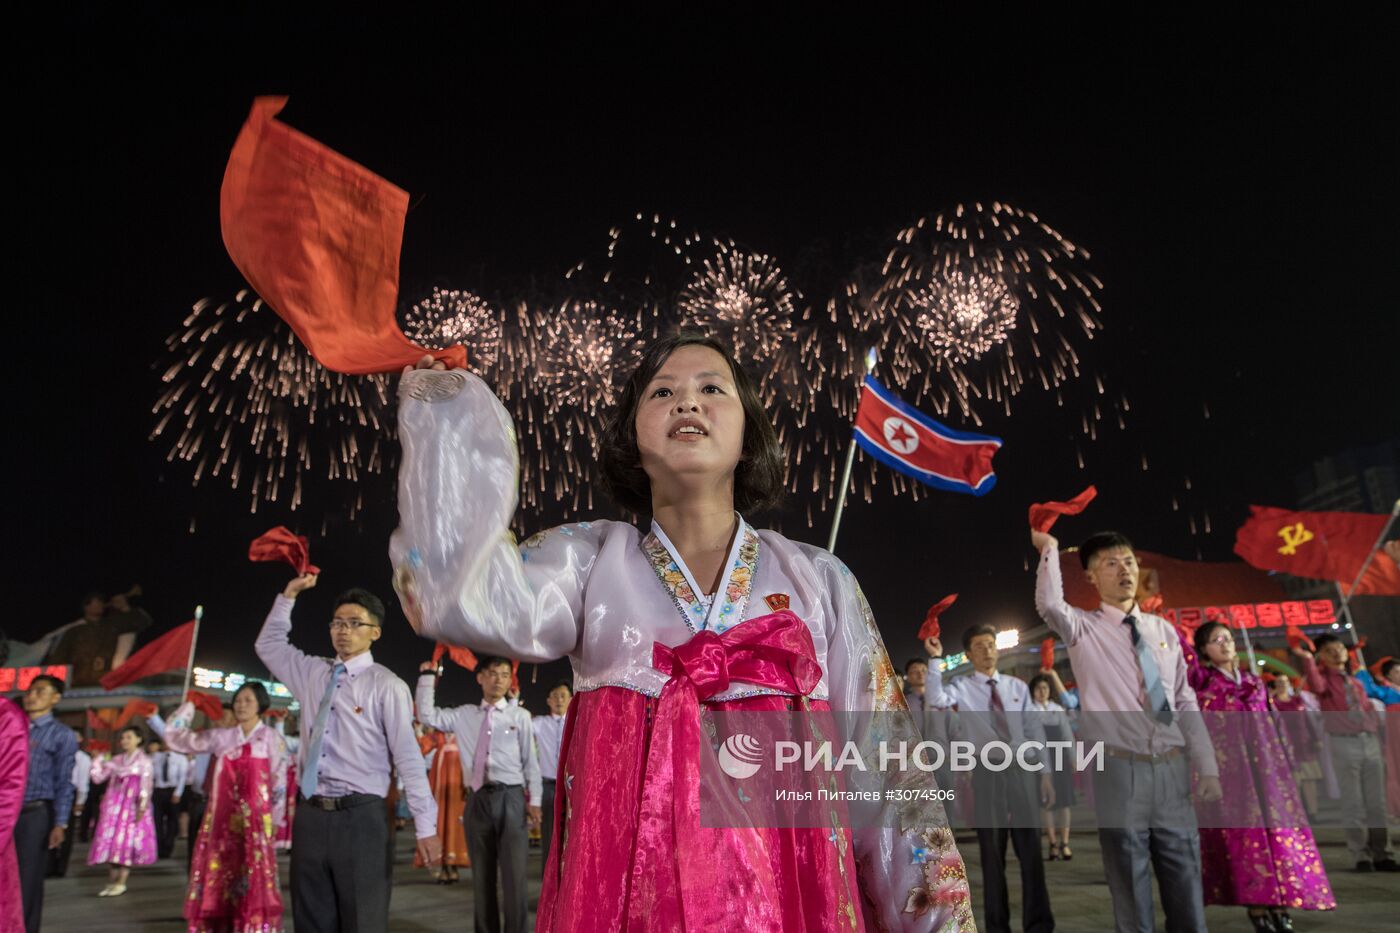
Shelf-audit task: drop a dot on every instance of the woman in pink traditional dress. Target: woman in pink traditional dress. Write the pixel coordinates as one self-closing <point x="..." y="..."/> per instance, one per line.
<point x="697" y="609"/>
<point x="233" y="874"/>
<point x="126" y="830"/>
<point x="14" y="771"/>
<point x="1256" y="848"/>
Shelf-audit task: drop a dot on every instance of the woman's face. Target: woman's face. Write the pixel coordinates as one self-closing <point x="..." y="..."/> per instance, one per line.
<point x="1041" y="693"/>
<point x="245" y="707"/>
<point x="129" y="742"/>
<point x="1220" y="645"/>
<point x="690" y="421"/>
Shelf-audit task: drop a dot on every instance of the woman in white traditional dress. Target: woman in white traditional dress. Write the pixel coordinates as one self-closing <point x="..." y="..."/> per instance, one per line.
<point x="698" y="608"/>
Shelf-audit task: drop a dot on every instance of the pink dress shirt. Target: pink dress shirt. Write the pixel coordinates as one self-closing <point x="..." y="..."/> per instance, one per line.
<point x="1110" y="678"/>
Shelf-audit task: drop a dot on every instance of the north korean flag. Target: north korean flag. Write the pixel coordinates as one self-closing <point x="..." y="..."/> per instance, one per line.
<point x="905" y="439"/>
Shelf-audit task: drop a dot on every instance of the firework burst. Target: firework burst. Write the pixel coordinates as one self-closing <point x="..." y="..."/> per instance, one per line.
<point x="245" y="402"/>
<point x="449" y="317"/>
<point x="745" y="301"/>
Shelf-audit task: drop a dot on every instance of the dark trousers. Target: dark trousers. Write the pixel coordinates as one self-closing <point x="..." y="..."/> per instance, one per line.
<point x="1146" y="822"/>
<point x="92" y="810"/>
<point x="194" y="805"/>
<point x="58" y="858"/>
<point x="31" y="851"/>
<point x="166" y="813"/>
<point x="1006" y="807"/>
<point x="546" y="822"/>
<point x="341" y="870"/>
<point x="497" y="840"/>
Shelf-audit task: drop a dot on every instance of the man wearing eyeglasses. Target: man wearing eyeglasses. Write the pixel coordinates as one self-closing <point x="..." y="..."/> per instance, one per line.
<point x="357" y="717"/>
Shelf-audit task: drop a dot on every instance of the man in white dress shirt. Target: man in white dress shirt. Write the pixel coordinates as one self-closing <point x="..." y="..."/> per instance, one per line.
<point x="992" y="706"/>
<point x="497" y="746"/>
<point x="549" y="735"/>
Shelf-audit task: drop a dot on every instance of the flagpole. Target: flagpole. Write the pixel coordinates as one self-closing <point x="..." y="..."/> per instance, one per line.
<point x="1345" y="600"/>
<point x="189" y="664"/>
<point x="871" y="356"/>
<point x="1249" y="652"/>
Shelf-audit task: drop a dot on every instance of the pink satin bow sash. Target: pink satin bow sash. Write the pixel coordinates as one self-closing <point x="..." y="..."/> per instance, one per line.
<point x="773" y="651"/>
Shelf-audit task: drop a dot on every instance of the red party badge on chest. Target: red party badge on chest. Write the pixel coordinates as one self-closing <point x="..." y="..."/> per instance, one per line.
<point x="777" y="601"/>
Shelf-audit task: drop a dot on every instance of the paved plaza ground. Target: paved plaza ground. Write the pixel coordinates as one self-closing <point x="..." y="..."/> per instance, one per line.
<point x="1078" y="893"/>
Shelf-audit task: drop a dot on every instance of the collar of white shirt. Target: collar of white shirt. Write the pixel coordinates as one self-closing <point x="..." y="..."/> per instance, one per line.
<point x="358" y="663"/>
<point x="1116" y="615"/>
<point x="498" y="705"/>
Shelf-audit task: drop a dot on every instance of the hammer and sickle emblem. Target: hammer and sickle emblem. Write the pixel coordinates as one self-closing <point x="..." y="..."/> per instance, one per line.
<point x="1293" y="535"/>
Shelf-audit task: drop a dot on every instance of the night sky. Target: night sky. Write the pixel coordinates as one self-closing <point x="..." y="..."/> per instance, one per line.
<point x="1235" y="186"/>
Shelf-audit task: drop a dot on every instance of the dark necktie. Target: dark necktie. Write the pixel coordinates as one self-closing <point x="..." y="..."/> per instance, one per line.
<point x="999" y="723"/>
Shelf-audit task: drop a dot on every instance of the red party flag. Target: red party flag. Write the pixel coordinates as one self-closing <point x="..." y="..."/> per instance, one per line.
<point x="1047" y="654"/>
<point x="206" y="703"/>
<point x="280" y="544"/>
<point x="462" y="657"/>
<point x="134" y="708"/>
<point x="1319" y="546"/>
<point x="318" y="237"/>
<point x="930" y="627"/>
<point x="167" y="653"/>
<point x="1044" y="514"/>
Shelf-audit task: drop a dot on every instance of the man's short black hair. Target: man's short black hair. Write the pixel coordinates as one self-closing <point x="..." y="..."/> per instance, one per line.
<point x="55" y="682"/>
<point x="494" y="661"/>
<point x="976" y="632"/>
<point x="1102" y="541"/>
<point x="1387" y="666"/>
<point x="911" y="662"/>
<point x="565" y="684"/>
<point x="1327" y="638"/>
<point x="362" y="597"/>
<point x="89" y="597"/>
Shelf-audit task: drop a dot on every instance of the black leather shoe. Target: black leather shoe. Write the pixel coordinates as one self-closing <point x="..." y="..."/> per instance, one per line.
<point x="1364" y="866"/>
<point x="1282" y="922"/>
<point x="1387" y="864"/>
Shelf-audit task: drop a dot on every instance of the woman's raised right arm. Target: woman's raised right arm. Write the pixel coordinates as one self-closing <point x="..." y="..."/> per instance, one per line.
<point x="459" y="573"/>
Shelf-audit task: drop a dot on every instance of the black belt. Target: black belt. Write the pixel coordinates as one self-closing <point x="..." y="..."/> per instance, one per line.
<point x="33" y="805"/>
<point x="548" y="780"/>
<point x="347" y="802"/>
<point x="491" y="786"/>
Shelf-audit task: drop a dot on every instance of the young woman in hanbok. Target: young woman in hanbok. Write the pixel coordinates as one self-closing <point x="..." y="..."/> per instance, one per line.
<point x="233" y="873"/>
<point x="1304" y="738"/>
<point x="695" y="609"/>
<point x="1256" y="848"/>
<point x="126" y="830"/>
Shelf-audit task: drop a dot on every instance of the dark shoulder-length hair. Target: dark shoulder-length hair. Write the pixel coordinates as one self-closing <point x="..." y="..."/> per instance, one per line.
<point x="758" y="478"/>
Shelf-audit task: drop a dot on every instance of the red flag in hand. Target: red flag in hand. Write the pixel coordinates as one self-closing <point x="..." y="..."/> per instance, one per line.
<point x="930" y="627"/>
<point x="134" y="708"/>
<point x="167" y="653"/>
<point x="1354" y="653"/>
<point x="1043" y="515"/>
<point x="1047" y="654"/>
<point x="515" y="677"/>
<point x="280" y="544"/>
<point x="206" y="703"/>
<point x="319" y="238"/>
<point x="462" y="657"/>
<point x="1296" y="637"/>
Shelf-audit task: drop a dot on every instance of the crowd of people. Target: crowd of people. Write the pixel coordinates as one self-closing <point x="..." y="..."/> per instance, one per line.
<point x="697" y="611"/>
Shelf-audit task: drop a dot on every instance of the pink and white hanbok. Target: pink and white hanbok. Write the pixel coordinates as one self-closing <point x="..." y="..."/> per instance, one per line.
<point x="233" y="872"/>
<point x="788" y="628"/>
<point x="126" y="828"/>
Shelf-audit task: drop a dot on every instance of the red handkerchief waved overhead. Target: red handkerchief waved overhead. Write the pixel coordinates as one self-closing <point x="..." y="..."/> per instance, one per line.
<point x="1044" y="514"/>
<point x="281" y="544"/>
<point x="930" y="627"/>
<point x="462" y="657"/>
<point x="318" y="237"/>
<point x="207" y="704"/>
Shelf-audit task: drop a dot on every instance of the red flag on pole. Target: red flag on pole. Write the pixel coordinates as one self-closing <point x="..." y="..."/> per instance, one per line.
<point x="462" y="657"/>
<point x="318" y="237"/>
<point x="169" y="652"/>
<point x="206" y="703"/>
<point x="1319" y="546"/>
<point x="1044" y="514"/>
<point x="930" y="628"/>
<point x="280" y="544"/>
